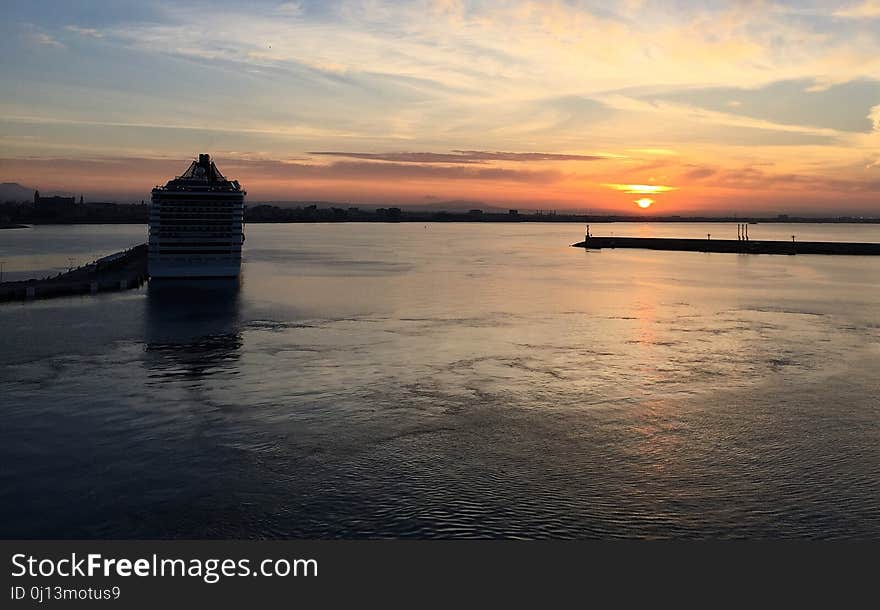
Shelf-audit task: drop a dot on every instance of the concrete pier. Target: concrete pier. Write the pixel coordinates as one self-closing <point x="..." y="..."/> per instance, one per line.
<point x="120" y="271"/>
<point x="733" y="246"/>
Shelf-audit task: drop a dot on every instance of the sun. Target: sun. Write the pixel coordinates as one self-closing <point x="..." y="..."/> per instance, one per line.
<point x="644" y="202"/>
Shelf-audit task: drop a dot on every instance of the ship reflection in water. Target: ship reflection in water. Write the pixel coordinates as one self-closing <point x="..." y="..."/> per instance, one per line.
<point x="192" y="327"/>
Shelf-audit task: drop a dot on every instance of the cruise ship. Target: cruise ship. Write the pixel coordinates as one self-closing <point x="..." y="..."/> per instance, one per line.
<point x="196" y="224"/>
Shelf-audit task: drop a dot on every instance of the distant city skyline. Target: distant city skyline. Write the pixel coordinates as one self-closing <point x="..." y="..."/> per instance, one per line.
<point x="654" y="107"/>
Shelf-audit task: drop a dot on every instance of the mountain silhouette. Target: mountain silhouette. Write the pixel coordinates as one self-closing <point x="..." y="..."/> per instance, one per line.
<point x="13" y="191"/>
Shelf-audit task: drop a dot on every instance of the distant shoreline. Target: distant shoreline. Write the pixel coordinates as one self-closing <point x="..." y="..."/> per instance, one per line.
<point x="19" y="215"/>
<point x="486" y="218"/>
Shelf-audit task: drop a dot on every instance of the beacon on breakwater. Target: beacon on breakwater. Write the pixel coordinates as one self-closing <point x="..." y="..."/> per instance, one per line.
<point x="196" y="224"/>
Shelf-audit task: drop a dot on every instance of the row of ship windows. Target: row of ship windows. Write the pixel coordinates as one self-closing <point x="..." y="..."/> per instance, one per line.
<point x="171" y="211"/>
<point x="176" y="214"/>
<point x="177" y="208"/>
<point x="198" y="198"/>
<point x="195" y="223"/>
<point x="200" y="234"/>
<point x="196" y="202"/>
<point x="181" y="205"/>
<point x="166" y="216"/>
<point x="216" y="225"/>
<point x="169" y="251"/>
<point x="218" y="228"/>
<point x="186" y="234"/>
<point x="198" y="209"/>
<point x="196" y="231"/>
<point x="194" y="244"/>
<point x="168" y="259"/>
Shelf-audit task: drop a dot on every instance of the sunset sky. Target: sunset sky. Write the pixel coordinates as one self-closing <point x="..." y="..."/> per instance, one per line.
<point x="739" y="107"/>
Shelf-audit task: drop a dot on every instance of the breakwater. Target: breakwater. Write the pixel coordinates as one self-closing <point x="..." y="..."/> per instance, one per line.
<point x="119" y="271"/>
<point x="732" y="246"/>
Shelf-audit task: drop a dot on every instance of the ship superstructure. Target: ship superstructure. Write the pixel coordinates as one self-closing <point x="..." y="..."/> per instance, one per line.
<point x="196" y="224"/>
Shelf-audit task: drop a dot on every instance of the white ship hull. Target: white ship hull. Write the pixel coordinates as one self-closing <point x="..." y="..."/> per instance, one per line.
<point x="196" y="225"/>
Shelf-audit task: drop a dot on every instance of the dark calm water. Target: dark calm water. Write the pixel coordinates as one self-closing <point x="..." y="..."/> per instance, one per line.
<point x="447" y="381"/>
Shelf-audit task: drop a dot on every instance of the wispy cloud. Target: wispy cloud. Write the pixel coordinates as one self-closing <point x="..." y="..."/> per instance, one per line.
<point x="360" y="170"/>
<point x="528" y="156"/>
<point x="511" y="44"/>
<point x="699" y="173"/>
<point x="292" y="9"/>
<point x="751" y="178"/>
<point x="874" y="117"/>
<point x="87" y="32"/>
<point x="278" y="131"/>
<point x="460" y="156"/>
<point x="660" y="152"/>
<point x="132" y="177"/>
<point x="869" y="9"/>
<point x="45" y="40"/>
